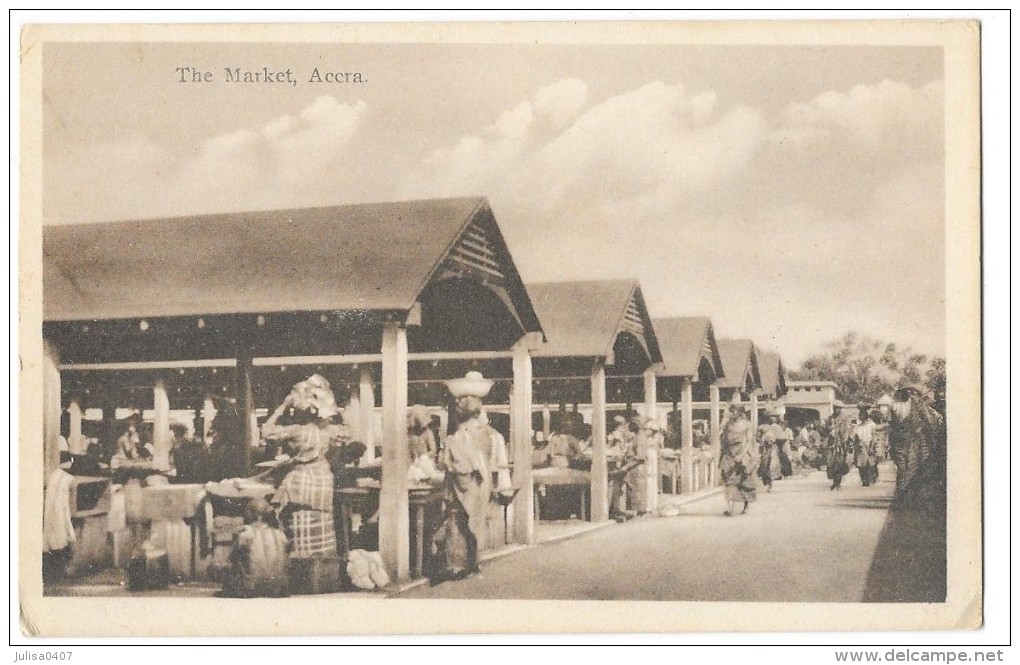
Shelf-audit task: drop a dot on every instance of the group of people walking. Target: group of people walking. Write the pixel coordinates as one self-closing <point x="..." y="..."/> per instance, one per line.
<point x="751" y="459"/>
<point x="911" y="432"/>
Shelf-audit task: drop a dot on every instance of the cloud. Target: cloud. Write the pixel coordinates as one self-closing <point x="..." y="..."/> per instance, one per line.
<point x="891" y="118"/>
<point x="789" y="227"/>
<point x="556" y="159"/>
<point x="298" y="159"/>
<point x="290" y="156"/>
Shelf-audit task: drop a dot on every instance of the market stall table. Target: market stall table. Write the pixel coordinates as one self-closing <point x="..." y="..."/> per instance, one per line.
<point x="557" y="477"/>
<point x="419" y="497"/>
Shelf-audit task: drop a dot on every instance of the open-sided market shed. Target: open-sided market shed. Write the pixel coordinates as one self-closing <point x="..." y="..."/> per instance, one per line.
<point x="381" y="289"/>
<point x="690" y="360"/>
<point x="741" y="376"/>
<point x="773" y="374"/>
<point x="599" y="333"/>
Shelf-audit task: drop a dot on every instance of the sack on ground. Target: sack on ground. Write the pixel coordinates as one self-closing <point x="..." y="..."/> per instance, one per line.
<point x="366" y="570"/>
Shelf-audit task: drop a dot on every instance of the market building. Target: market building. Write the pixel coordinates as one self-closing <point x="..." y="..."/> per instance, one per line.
<point x="691" y="369"/>
<point x="601" y="346"/>
<point x="741" y="378"/>
<point x="386" y="300"/>
<point x="811" y="400"/>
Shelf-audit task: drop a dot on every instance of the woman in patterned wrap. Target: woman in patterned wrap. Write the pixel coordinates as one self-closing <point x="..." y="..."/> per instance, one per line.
<point x="917" y="439"/>
<point x="304" y="499"/>
<point x="738" y="459"/>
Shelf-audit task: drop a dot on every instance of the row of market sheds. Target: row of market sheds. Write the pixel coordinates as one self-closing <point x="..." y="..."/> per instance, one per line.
<point x="390" y="299"/>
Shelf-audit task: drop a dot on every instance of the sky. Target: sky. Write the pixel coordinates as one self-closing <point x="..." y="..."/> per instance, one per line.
<point x="789" y="193"/>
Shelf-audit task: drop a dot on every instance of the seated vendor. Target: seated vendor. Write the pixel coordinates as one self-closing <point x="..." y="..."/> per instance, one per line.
<point x="128" y="443"/>
<point x="421" y="448"/>
<point x="566" y="448"/>
<point x="561" y="445"/>
<point x="539" y="451"/>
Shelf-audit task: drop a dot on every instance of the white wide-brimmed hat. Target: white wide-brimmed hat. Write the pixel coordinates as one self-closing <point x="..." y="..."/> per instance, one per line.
<point x="473" y="384"/>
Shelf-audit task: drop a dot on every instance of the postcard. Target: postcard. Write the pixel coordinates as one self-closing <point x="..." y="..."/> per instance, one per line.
<point x="500" y="328"/>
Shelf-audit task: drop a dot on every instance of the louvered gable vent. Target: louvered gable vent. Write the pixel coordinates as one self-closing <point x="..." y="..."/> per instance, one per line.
<point x="476" y="252"/>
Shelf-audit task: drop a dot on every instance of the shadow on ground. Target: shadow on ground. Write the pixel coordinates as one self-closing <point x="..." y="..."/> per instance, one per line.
<point x="909" y="565"/>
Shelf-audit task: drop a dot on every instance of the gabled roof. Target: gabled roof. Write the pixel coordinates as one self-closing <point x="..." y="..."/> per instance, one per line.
<point x="371" y="257"/>
<point x="583" y="319"/>
<point x="739" y="361"/>
<point x="684" y="343"/>
<point x="773" y="374"/>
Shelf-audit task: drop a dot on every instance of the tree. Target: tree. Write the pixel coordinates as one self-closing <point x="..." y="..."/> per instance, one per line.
<point x="864" y="368"/>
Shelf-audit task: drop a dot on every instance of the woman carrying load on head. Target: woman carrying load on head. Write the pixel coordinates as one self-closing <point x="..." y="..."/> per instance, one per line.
<point x="304" y="499"/>
<point x="467" y="461"/>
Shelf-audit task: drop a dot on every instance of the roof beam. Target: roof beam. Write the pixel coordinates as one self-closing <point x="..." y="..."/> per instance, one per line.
<point x="154" y="364"/>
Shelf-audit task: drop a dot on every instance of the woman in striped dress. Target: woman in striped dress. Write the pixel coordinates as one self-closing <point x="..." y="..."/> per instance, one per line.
<point x="917" y="439"/>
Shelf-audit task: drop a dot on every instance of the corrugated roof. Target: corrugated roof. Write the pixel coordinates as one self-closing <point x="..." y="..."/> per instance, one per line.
<point x="584" y="318"/>
<point x="738" y="356"/>
<point x="357" y="257"/>
<point x="684" y="342"/>
<point x="773" y="374"/>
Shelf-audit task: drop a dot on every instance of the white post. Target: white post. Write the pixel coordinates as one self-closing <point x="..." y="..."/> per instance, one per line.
<point x="686" y="437"/>
<point x="546" y="422"/>
<point x="161" y="427"/>
<point x="366" y="413"/>
<point x="713" y="431"/>
<point x="654" y="483"/>
<point x="208" y="412"/>
<point x="599" y="463"/>
<point x="520" y="436"/>
<point x="51" y="411"/>
<point x="394" y="539"/>
<point x="75" y="438"/>
<point x="754" y="415"/>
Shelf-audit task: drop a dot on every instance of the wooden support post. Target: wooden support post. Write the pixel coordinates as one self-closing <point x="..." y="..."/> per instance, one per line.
<point x="246" y="412"/>
<point x="394" y="539"/>
<point x="546" y="421"/>
<point x="714" y="424"/>
<point x="160" y="427"/>
<point x="75" y="438"/>
<point x="51" y="411"/>
<point x="366" y="416"/>
<point x="599" y="463"/>
<point x="754" y="415"/>
<point x="208" y="413"/>
<point x="687" y="437"/>
<point x="520" y="436"/>
<point x="654" y="483"/>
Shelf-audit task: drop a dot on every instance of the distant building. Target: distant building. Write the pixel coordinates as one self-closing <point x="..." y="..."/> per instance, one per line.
<point x="804" y="397"/>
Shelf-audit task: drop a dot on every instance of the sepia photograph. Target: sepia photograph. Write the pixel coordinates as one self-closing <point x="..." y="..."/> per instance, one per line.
<point x="576" y="318"/>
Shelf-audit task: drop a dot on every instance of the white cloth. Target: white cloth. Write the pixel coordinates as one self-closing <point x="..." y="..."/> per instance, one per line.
<point x="865" y="432"/>
<point x="422" y="470"/>
<point x="58" y="532"/>
<point x="498" y="460"/>
<point x="116" y="519"/>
